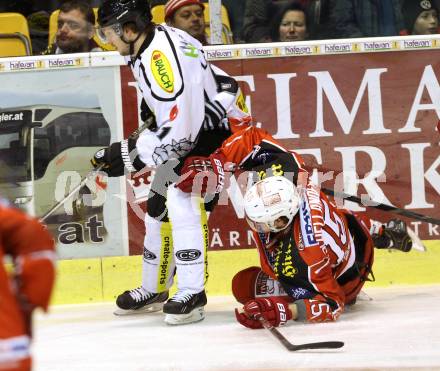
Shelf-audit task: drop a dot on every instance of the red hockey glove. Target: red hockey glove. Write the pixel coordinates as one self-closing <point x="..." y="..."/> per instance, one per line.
<point x="203" y="174"/>
<point x="273" y="309"/>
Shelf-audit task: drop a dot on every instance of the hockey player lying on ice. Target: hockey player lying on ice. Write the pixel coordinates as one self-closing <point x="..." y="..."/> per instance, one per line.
<point x="314" y="257"/>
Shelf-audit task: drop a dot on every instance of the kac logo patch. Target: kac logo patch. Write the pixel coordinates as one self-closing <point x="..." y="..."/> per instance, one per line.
<point x="162" y="71"/>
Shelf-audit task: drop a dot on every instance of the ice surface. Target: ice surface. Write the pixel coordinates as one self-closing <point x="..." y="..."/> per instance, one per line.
<point x="398" y="329"/>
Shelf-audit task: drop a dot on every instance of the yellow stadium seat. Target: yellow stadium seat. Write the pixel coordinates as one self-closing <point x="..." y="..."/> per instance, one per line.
<point x="53" y="26"/>
<point x="14" y="35"/>
<point x="158" y="14"/>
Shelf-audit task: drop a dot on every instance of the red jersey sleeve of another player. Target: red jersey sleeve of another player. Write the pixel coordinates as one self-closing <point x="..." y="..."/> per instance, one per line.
<point x="26" y="240"/>
<point x="241" y="144"/>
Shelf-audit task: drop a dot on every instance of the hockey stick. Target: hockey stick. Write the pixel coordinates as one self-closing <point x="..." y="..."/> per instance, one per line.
<point x="384" y="207"/>
<point x="292" y="347"/>
<point x="76" y="189"/>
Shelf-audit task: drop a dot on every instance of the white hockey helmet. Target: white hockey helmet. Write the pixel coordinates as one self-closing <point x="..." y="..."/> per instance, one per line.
<point x="270" y="204"/>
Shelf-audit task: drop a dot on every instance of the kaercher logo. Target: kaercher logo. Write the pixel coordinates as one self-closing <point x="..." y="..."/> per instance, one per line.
<point x="162" y="72"/>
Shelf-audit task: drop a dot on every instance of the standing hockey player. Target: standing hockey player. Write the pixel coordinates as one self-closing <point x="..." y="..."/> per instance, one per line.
<point x="311" y="253"/>
<point x="189" y="103"/>
<point x="31" y="249"/>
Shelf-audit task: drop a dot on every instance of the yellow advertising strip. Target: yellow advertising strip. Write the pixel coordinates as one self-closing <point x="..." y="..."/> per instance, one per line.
<point x="321" y="47"/>
<point x="102" y="279"/>
<point x="233" y="51"/>
<point x="38" y="63"/>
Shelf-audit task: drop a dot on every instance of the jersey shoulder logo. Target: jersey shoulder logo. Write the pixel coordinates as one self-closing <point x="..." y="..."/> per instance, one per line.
<point x="162" y="71"/>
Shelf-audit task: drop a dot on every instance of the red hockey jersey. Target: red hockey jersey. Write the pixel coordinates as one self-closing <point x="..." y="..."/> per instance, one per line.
<point x="315" y="259"/>
<point x="31" y="248"/>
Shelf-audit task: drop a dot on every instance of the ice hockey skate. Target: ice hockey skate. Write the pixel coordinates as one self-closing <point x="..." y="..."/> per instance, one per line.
<point x="139" y="301"/>
<point x="184" y="308"/>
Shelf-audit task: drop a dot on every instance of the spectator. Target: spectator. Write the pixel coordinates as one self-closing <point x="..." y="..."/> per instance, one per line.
<point x="38" y="23"/>
<point x="187" y="15"/>
<point x="355" y="18"/>
<point x="236" y="14"/>
<point x="290" y="23"/>
<point x="259" y="13"/>
<point x="76" y="21"/>
<point x="421" y="17"/>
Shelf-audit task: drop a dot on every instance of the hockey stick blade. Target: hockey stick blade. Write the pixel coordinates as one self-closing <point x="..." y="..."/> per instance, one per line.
<point x="417" y="242"/>
<point x="292" y="347"/>
<point x="72" y="192"/>
<point x="384" y="207"/>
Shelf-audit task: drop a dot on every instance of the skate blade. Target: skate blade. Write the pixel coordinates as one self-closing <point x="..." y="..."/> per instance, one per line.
<point x="196" y="315"/>
<point x="155" y="307"/>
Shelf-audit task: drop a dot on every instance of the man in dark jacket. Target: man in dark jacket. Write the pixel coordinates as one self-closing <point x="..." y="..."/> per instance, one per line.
<point x="360" y="18"/>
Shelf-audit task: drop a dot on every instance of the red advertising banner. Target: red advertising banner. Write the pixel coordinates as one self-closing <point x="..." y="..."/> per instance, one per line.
<point x="367" y="120"/>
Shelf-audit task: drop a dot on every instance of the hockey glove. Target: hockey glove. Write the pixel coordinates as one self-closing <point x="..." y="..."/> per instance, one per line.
<point x="393" y="236"/>
<point x="274" y="309"/>
<point x="203" y="175"/>
<point x="117" y="157"/>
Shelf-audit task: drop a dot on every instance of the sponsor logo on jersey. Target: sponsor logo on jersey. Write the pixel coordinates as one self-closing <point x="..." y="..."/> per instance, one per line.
<point x="306" y="225"/>
<point x="188" y="255"/>
<point x="300" y="243"/>
<point x="299" y="293"/>
<point x="174" y="112"/>
<point x="148" y="255"/>
<point x="267" y="286"/>
<point x="190" y="50"/>
<point x="162" y="71"/>
<point x="241" y="103"/>
<point x="284" y="263"/>
<point x="264" y="285"/>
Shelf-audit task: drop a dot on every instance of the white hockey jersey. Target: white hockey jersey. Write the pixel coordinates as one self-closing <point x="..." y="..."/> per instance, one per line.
<point x="175" y="80"/>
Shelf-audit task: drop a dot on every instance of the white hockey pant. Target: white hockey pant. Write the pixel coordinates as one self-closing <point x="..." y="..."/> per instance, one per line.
<point x="179" y="244"/>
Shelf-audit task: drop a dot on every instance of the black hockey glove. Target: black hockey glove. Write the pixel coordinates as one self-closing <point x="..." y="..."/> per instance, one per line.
<point x="393" y="236"/>
<point x="118" y="158"/>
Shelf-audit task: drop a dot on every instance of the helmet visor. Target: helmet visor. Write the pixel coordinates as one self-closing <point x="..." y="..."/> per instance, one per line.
<point x="106" y="33"/>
